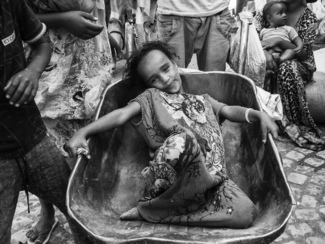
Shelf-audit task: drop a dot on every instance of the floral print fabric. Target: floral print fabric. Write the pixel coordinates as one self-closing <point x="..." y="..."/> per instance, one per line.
<point x="185" y="185"/>
<point x="78" y="71"/>
<point x="196" y="113"/>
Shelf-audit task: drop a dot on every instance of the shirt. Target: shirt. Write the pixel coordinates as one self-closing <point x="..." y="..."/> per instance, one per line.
<point x="285" y="32"/>
<point x="20" y="128"/>
<point x="191" y="8"/>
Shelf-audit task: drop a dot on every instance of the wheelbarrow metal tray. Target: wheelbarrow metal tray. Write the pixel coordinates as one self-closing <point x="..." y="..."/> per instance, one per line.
<point x="110" y="182"/>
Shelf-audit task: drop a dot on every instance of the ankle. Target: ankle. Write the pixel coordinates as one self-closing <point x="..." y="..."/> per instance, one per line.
<point x="47" y="215"/>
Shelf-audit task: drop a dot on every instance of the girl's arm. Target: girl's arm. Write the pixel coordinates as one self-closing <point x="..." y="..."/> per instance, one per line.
<point x="238" y="114"/>
<point x="77" y="23"/>
<point x="111" y="120"/>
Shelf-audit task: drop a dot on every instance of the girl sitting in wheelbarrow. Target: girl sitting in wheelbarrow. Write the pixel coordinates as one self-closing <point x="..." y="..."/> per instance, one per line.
<point x="186" y="180"/>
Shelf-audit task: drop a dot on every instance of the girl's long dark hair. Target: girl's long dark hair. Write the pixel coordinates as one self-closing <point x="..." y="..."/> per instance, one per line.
<point x="131" y="66"/>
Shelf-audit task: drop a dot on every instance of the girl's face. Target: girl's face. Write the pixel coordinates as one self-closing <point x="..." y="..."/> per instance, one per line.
<point x="158" y="71"/>
<point x="278" y="15"/>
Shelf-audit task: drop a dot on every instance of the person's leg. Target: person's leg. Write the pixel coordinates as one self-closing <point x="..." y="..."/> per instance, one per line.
<point x="291" y="80"/>
<point x="45" y="222"/>
<point x="276" y="57"/>
<point x="288" y="54"/>
<point x="48" y="175"/>
<point x="60" y="131"/>
<point x="214" y="45"/>
<point x="191" y="31"/>
<point x="10" y="185"/>
<point x="179" y="32"/>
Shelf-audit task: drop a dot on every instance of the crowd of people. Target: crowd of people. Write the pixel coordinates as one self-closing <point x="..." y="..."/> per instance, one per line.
<point x="59" y="57"/>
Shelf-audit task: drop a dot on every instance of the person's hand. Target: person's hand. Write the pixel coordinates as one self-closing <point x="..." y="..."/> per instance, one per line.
<point x="270" y="62"/>
<point x="79" y="24"/>
<point x="22" y="87"/>
<point x="269" y="43"/>
<point x="298" y="49"/>
<point x="267" y="125"/>
<point x="77" y="145"/>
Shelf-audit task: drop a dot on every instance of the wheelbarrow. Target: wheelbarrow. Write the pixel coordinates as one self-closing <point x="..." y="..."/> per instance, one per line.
<point x="108" y="184"/>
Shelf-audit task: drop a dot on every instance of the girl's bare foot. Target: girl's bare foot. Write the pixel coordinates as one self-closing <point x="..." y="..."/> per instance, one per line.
<point x="132" y="214"/>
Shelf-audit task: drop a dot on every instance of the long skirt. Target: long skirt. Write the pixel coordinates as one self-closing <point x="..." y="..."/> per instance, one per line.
<point x="180" y="190"/>
<point x="298" y="124"/>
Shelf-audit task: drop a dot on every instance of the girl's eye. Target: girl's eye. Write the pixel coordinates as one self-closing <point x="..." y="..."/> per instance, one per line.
<point x="154" y="80"/>
<point x="166" y="68"/>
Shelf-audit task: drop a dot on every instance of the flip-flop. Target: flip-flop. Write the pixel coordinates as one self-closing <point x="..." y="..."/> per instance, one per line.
<point x="44" y="236"/>
<point x="32" y="234"/>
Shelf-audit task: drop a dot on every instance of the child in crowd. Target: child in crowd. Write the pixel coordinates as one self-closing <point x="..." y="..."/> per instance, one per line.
<point x="183" y="132"/>
<point x="274" y="13"/>
<point x="28" y="157"/>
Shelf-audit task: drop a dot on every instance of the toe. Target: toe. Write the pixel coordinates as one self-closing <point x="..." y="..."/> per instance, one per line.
<point x="32" y="234"/>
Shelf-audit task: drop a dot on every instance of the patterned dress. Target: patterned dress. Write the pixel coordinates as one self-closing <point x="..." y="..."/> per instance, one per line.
<point x="186" y="181"/>
<point x="291" y="78"/>
<point x="70" y="87"/>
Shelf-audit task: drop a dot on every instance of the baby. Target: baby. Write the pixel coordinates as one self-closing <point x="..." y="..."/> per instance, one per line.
<point x="274" y="13"/>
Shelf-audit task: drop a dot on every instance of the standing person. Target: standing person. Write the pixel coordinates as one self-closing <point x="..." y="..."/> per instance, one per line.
<point x="79" y="70"/>
<point x="201" y="27"/>
<point x="291" y="76"/>
<point x="28" y="157"/>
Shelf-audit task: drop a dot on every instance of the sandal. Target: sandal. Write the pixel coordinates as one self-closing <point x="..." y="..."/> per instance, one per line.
<point x="44" y="236"/>
<point x="32" y="234"/>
